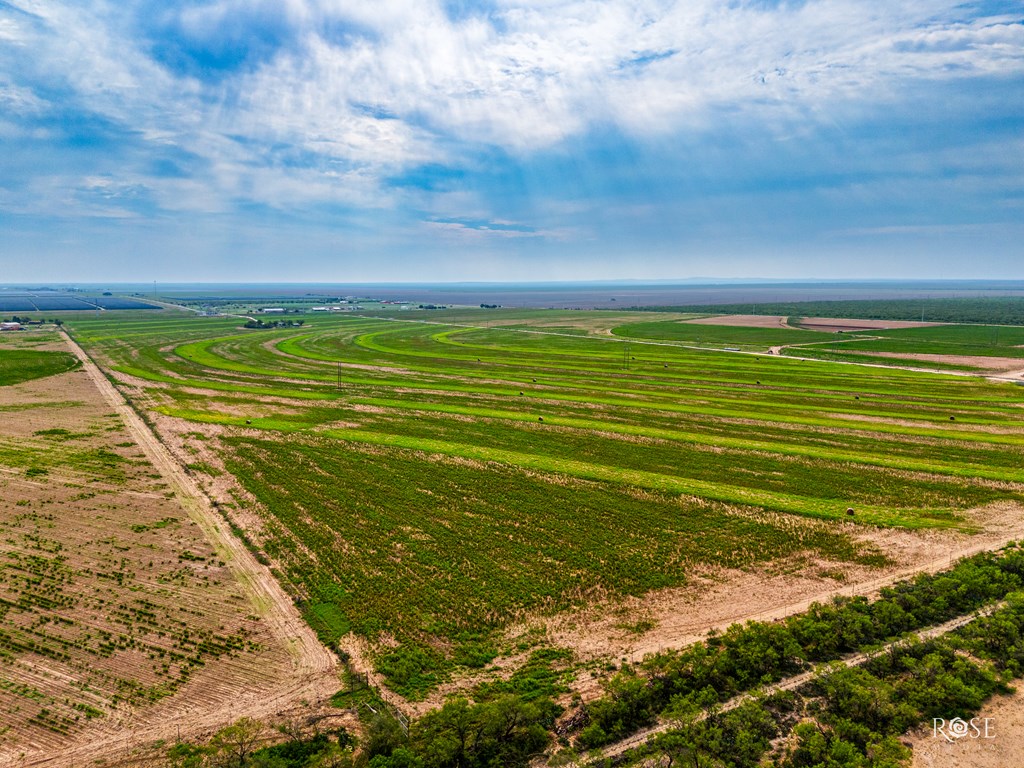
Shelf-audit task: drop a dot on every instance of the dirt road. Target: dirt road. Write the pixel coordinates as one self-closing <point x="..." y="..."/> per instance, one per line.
<point x="789" y="684"/>
<point x="312" y="676"/>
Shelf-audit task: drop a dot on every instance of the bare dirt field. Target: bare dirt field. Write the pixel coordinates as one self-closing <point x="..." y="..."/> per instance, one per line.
<point x="125" y="620"/>
<point x="992" y="365"/>
<point x="743" y="321"/>
<point x="1003" y="749"/>
<point x="847" y="324"/>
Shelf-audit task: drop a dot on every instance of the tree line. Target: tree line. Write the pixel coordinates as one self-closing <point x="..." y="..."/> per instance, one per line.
<point x="760" y="653"/>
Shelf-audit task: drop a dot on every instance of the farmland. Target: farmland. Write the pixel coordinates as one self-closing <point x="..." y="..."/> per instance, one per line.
<point x="18" y="365"/>
<point x="118" y="611"/>
<point x="902" y="305"/>
<point x="965" y="347"/>
<point x="994" y="349"/>
<point x="439" y="490"/>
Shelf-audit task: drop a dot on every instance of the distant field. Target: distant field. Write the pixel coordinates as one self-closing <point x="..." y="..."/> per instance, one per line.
<point x="949" y="346"/>
<point x="427" y="481"/>
<point x="626" y="295"/>
<point x="956" y="346"/>
<point x="905" y="305"/>
<point x="703" y="334"/>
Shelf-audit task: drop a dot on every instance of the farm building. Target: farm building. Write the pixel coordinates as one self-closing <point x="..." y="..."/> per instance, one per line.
<point x="10" y="326"/>
<point x="273" y="310"/>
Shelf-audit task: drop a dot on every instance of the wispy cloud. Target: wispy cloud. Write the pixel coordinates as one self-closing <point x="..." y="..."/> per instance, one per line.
<point x="412" y="106"/>
<point x="481" y="231"/>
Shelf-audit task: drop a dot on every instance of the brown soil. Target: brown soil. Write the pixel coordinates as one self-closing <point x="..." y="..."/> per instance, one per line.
<point x="982" y="361"/>
<point x="994" y="365"/>
<point x="743" y="321"/>
<point x="1004" y="749"/>
<point x="138" y="523"/>
<point x="847" y="324"/>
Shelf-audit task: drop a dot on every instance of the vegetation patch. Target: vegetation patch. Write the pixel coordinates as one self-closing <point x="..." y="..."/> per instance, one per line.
<point x="431" y="551"/>
<point x="20" y="365"/>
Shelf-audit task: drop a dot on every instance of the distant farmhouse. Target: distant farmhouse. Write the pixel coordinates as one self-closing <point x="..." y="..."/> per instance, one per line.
<point x="10" y="326"/>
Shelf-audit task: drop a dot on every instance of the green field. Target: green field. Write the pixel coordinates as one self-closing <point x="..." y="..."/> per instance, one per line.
<point x="18" y="365"/>
<point x="974" y="341"/>
<point x="427" y="479"/>
<point x="699" y="334"/>
<point x="989" y="310"/>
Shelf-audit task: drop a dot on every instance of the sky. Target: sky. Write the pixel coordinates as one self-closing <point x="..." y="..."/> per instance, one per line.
<point x="420" y="140"/>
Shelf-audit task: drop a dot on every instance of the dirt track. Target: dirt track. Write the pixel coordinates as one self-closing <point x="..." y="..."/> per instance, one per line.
<point x="794" y="682"/>
<point x="311" y="678"/>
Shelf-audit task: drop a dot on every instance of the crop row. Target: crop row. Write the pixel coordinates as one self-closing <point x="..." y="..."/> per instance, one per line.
<point x="431" y="549"/>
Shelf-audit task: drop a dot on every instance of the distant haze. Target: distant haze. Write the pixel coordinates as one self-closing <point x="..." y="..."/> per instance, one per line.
<point x="569" y="295"/>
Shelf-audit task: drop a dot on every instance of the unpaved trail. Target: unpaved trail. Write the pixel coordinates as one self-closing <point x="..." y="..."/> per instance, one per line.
<point x="790" y="683"/>
<point x="312" y="676"/>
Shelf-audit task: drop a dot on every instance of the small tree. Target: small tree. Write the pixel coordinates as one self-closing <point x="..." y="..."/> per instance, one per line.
<point x="234" y="745"/>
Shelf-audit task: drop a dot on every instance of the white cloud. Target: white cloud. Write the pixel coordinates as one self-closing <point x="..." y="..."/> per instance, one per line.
<point x="550" y="70"/>
<point x="417" y="83"/>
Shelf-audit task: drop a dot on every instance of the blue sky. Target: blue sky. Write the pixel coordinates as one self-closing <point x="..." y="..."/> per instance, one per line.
<point x="330" y="140"/>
